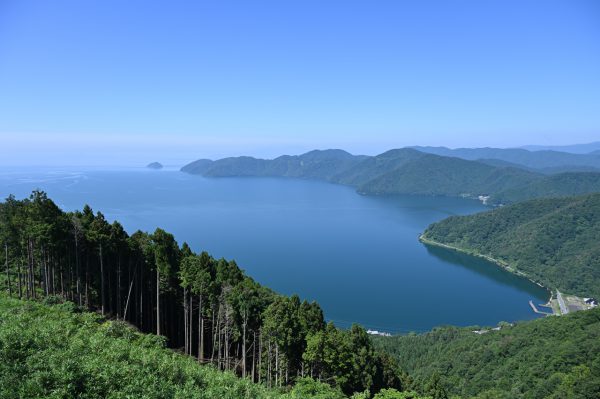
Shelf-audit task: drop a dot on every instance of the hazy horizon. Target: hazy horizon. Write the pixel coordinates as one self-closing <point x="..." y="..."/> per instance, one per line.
<point x="125" y="153"/>
<point x="129" y="83"/>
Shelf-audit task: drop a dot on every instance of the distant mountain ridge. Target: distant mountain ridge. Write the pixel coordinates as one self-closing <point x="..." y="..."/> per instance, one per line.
<point x="573" y="148"/>
<point x="545" y="161"/>
<point x="409" y="171"/>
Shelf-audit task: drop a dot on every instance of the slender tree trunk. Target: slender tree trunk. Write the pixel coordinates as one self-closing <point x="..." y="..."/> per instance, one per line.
<point x="269" y="362"/>
<point x="185" y="321"/>
<point x="128" y="296"/>
<point x="244" y="347"/>
<point x="7" y="269"/>
<point x="219" y="340"/>
<point x="43" y="282"/>
<point x="19" y="265"/>
<point x="277" y="365"/>
<point x="87" y="279"/>
<point x="102" y="294"/>
<point x="254" y="356"/>
<point x="77" y="271"/>
<point x="157" y="302"/>
<point x="191" y="323"/>
<point x="259" y="355"/>
<point x="119" y="286"/>
<point x="200" y="330"/>
<point x="214" y="337"/>
<point x="31" y="275"/>
<point x="141" y="288"/>
<point x="226" y="349"/>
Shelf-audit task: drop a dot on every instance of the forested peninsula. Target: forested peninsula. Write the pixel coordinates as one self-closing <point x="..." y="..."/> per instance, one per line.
<point x="553" y="241"/>
<point x="205" y="308"/>
<point x="410" y="171"/>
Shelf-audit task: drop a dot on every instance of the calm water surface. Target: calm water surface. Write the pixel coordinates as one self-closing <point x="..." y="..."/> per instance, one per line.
<point x="358" y="256"/>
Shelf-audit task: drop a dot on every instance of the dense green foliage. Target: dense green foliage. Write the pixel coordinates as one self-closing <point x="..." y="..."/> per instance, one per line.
<point x="554" y="357"/>
<point x="557" y="185"/>
<point x="60" y="352"/>
<point x="312" y="165"/>
<point x="408" y="171"/>
<point x="553" y="241"/>
<point x="435" y="175"/>
<point x="204" y="307"/>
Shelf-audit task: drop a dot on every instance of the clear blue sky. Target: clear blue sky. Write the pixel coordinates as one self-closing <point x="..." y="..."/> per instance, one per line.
<point x="135" y="81"/>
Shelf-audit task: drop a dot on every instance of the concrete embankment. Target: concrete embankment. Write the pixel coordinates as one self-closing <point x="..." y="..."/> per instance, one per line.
<point x="535" y="309"/>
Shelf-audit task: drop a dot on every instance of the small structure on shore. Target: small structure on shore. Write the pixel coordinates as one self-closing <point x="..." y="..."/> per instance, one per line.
<point x="593" y="302"/>
<point x="380" y="333"/>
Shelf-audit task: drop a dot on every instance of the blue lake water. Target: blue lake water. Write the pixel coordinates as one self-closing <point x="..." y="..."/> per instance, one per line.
<point x="358" y="256"/>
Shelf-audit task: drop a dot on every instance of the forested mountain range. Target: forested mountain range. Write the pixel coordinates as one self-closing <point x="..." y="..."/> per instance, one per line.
<point x="552" y="358"/>
<point x="539" y="160"/>
<point x="554" y="241"/>
<point x="408" y="171"/>
<point x="204" y="307"/>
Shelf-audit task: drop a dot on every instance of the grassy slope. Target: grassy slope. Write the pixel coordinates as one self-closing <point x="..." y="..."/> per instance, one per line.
<point x="51" y="352"/>
<point x="554" y="241"/>
<point x="554" y="357"/>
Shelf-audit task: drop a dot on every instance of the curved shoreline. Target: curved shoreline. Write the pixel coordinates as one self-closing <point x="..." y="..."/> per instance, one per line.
<point x="497" y="262"/>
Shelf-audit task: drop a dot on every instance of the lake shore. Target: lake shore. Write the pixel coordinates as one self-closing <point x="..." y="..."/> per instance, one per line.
<point x="497" y="262"/>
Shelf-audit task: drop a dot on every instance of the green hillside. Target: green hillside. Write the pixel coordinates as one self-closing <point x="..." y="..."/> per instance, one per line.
<point x="408" y="171"/>
<point x="532" y="159"/>
<point x="61" y="352"/>
<point x="557" y="185"/>
<point x="552" y="358"/>
<point x="553" y="241"/>
<point x="312" y="165"/>
<point x="373" y="167"/>
<point x="436" y="175"/>
<point x="204" y="307"/>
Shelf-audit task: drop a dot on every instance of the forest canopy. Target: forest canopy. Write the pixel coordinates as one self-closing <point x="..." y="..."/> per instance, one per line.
<point x="204" y="307"/>
<point x="553" y="241"/>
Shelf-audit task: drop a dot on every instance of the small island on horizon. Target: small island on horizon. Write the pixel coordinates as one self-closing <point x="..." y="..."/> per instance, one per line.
<point x="154" y="165"/>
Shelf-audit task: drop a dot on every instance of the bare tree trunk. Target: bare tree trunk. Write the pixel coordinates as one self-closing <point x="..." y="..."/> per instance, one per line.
<point x="259" y="355"/>
<point x="191" y="323"/>
<point x="19" y="265"/>
<point x="276" y="364"/>
<point x="213" y="337"/>
<point x="77" y="271"/>
<point x="141" y="289"/>
<point x="218" y="332"/>
<point x="119" y="286"/>
<point x="254" y="356"/>
<point x="244" y="347"/>
<point x="200" y="330"/>
<point x="102" y="279"/>
<point x="157" y="302"/>
<point x="30" y="271"/>
<point x="270" y="373"/>
<point x="43" y="274"/>
<point x="7" y="270"/>
<point x="185" y="321"/>
<point x="128" y="295"/>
